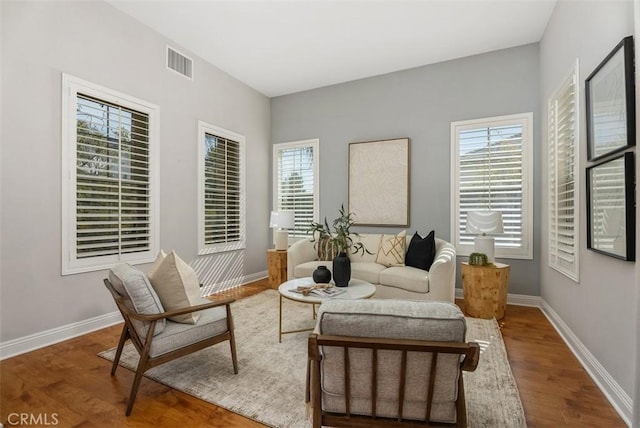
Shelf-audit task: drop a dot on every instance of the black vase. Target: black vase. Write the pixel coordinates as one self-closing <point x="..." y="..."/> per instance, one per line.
<point x="341" y="270"/>
<point x="321" y="275"/>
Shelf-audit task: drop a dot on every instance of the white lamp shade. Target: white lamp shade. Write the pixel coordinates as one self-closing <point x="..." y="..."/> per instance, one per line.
<point x="282" y="219"/>
<point x="484" y="222"/>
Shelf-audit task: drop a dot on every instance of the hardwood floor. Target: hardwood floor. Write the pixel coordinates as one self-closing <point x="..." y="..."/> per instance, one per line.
<point x="68" y="384"/>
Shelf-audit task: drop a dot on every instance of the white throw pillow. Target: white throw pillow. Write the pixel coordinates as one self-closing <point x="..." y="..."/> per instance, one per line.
<point x="177" y="286"/>
<point x="392" y="249"/>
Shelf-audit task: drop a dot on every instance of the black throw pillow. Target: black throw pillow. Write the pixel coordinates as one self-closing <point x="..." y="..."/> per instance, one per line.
<point x="421" y="251"/>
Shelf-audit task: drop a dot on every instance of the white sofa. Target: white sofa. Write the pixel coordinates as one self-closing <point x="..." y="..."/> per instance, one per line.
<point x="398" y="282"/>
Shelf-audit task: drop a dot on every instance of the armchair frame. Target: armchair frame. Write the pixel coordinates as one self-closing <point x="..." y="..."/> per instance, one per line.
<point x="143" y="347"/>
<point x="470" y="351"/>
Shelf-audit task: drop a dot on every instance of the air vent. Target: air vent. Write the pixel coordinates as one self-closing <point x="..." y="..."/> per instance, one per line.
<point x="179" y="63"/>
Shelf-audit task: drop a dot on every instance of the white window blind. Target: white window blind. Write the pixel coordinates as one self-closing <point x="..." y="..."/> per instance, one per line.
<point x="296" y="182"/>
<point x="491" y="171"/>
<point x="221" y="218"/>
<point x="563" y="174"/>
<point x="109" y="195"/>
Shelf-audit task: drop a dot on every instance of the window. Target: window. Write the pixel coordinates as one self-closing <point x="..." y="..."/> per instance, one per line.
<point x="295" y="181"/>
<point x="492" y="170"/>
<point x="110" y="192"/>
<point x="563" y="173"/>
<point x="221" y="190"/>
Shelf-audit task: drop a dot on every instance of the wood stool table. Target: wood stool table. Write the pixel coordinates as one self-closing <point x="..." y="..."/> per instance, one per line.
<point x="485" y="290"/>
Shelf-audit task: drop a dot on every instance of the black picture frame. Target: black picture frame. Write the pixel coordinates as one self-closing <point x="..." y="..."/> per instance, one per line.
<point x="611" y="227"/>
<point x="610" y="102"/>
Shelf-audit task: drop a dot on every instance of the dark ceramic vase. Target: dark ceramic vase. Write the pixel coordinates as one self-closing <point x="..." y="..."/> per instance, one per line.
<point x="321" y="275"/>
<point x="341" y="270"/>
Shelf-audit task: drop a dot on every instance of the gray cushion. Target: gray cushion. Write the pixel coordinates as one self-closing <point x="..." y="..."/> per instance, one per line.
<point x="211" y="322"/>
<point x="138" y="295"/>
<point x="431" y="321"/>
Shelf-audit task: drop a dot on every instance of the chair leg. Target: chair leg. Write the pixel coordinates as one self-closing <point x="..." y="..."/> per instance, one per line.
<point x="136" y="384"/>
<point x="123" y="338"/>
<point x="232" y="340"/>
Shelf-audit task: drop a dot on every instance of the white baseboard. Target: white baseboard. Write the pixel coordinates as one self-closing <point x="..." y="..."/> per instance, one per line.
<point x="619" y="399"/>
<point x="21" y="345"/>
<point x="512" y="299"/>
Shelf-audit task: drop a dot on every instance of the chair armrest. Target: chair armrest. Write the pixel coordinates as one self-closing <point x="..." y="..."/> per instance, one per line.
<point x="470" y="362"/>
<point x="301" y="251"/>
<point x="182" y="311"/>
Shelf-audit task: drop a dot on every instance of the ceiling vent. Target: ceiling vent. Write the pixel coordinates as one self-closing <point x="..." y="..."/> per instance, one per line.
<point x="179" y="63"/>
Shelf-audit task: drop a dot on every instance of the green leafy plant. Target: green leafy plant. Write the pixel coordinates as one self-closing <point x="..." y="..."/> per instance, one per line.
<point x="341" y="236"/>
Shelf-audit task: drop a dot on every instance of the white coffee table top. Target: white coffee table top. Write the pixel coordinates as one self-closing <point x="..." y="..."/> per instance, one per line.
<point x="357" y="289"/>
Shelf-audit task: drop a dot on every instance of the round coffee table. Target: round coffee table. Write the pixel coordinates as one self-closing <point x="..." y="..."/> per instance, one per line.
<point x="357" y="289"/>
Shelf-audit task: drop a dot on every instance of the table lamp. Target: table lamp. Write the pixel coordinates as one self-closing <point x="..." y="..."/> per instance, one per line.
<point x="482" y="224"/>
<point x="281" y="221"/>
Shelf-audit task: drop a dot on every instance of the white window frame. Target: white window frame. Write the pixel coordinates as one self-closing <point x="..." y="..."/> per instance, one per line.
<point x="525" y="251"/>
<point x="314" y="143"/>
<point x="570" y="268"/>
<point x="203" y="248"/>
<point x="71" y="87"/>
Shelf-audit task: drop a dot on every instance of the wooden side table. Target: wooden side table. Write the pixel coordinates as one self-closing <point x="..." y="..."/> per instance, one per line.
<point x="277" y="266"/>
<point x="485" y="290"/>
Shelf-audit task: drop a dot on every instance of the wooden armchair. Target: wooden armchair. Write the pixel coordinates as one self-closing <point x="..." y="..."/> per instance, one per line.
<point x="158" y="339"/>
<point x="374" y="368"/>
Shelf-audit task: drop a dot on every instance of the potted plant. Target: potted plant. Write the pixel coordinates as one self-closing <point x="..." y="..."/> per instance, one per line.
<point x="335" y="243"/>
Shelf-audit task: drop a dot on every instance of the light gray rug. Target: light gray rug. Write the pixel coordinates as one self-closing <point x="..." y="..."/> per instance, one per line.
<point x="269" y="387"/>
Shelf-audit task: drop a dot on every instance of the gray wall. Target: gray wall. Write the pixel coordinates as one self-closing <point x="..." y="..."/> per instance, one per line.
<point x="600" y="310"/>
<point x="419" y="103"/>
<point x="96" y="42"/>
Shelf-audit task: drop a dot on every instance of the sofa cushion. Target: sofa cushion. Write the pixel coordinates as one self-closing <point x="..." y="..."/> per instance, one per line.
<point x="369" y="272"/>
<point x="407" y="278"/>
<point x="138" y="295"/>
<point x="391" y="250"/>
<point x="402" y="319"/>
<point x="306" y="269"/>
<point x="421" y="251"/>
<point x="327" y="251"/>
<point x="371" y="242"/>
<point x="177" y="286"/>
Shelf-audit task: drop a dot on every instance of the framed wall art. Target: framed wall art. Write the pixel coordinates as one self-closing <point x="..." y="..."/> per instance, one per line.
<point x="379" y="182"/>
<point x="610" y="99"/>
<point x="610" y="207"/>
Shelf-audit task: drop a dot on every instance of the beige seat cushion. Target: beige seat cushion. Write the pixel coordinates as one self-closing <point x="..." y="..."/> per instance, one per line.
<point x="177" y="286"/>
<point x="365" y="271"/>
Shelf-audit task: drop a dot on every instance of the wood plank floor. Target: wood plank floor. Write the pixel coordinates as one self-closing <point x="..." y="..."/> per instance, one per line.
<point x="68" y="383"/>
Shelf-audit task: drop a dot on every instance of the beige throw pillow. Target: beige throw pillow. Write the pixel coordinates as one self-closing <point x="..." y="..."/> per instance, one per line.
<point x="159" y="259"/>
<point x="392" y="249"/>
<point x="177" y="286"/>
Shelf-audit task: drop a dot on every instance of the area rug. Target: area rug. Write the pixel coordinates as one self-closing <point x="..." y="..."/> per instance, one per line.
<point x="269" y="387"/>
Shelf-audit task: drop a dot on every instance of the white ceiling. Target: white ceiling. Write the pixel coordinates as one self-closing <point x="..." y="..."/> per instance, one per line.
<point x="281" y="47"/>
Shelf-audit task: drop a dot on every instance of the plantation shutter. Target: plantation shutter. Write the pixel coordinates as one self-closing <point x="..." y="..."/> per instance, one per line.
<point x="112" y="179"/>
<point x="563" y="209"/>
<point x="296" y="186"/>
<point x="491" y="178"/>
<point x="222" y="193"/>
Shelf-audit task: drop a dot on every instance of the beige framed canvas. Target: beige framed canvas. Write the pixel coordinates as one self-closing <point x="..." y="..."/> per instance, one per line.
<point x="379" y="182"/>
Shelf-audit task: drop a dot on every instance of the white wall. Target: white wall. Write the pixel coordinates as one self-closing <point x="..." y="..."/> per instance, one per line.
<point x="600" y="310"/>
<point x="96" y="42"/>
